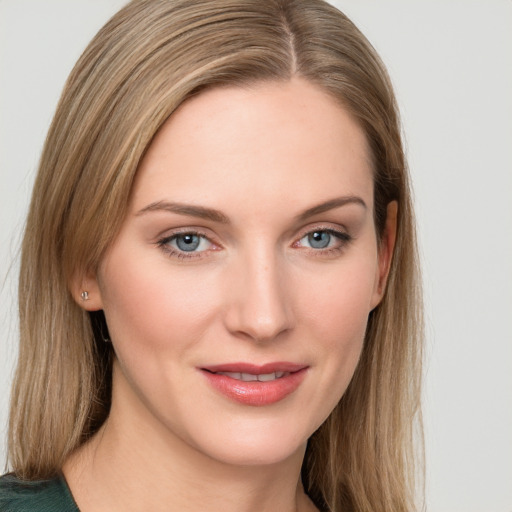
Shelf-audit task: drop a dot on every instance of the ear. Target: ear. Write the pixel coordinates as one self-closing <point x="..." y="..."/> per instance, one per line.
<point x="386" y="248"/>
<point x="86" y="291"/>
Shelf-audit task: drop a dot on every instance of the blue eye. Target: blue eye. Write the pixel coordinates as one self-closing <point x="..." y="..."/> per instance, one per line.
<point x="319" y="239"/>
<point x="324" y="239"/>
<point x="186" y="243"/>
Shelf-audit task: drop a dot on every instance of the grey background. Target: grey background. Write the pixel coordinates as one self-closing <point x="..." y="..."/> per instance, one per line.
<point x="451" y="65"/>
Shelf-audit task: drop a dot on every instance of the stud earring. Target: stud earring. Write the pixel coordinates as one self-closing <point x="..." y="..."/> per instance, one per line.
<point x="85" y="296"/>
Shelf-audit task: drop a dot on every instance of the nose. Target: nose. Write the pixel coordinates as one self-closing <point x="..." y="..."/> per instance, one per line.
<point x="258" y="308"/>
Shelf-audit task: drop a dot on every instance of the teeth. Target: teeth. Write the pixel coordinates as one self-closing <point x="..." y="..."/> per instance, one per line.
<point x="249" y="377"/>
<point x="267" y="376"/>
<point x="237" y="376"/>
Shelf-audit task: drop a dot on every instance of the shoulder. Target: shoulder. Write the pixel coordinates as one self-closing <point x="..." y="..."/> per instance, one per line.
<point x="41" y="496"/>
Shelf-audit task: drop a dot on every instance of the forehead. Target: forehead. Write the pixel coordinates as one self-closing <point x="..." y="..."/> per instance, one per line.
<point x="272" y="141"/>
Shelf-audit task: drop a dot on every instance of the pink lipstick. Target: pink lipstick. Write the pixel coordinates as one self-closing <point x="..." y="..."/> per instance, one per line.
<point x="255" y="385"/>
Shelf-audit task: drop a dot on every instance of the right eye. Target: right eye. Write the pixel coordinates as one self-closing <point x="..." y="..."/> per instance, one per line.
<point x="186" y="244"/>
<point x="189" y="242"/>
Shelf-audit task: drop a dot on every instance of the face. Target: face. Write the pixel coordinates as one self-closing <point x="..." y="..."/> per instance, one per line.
<point x="238" y="290"/>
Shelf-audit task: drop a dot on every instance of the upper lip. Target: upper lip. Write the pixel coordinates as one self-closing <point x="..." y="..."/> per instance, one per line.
<point x="254" y="369"/>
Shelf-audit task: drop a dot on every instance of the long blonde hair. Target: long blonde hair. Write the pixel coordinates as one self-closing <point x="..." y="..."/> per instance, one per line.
<point x="146" y="61"/>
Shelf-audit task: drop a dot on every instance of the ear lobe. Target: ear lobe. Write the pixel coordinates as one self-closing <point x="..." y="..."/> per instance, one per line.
<point x="86" y="291"/>
<point x="386" y="248"/>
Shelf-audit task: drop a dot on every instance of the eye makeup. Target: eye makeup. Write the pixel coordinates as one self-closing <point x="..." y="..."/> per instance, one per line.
<point x="185" y="244"/>
<point x="320" y="241"/>
<point x="323" y="241"/>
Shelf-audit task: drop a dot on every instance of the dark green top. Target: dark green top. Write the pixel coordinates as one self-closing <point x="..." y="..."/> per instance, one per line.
<point x="40" y="496"/>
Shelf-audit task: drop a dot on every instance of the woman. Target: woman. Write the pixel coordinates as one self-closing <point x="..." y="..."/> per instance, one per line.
<point x="219" y="301"/>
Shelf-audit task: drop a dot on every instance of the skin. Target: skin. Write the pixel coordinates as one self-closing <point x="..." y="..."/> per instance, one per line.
<point x="255" y="290"/>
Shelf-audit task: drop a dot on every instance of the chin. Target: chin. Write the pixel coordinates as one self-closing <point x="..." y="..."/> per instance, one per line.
<point x="257" y="454"/>
<point x="254" y="445"/>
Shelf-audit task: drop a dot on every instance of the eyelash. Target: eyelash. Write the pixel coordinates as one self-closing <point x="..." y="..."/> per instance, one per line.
<point x="163" y="243"/>
<point x="343" y="238"/>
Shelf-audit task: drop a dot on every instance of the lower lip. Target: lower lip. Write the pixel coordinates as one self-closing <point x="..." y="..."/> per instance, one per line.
<point x="256" y="393"/>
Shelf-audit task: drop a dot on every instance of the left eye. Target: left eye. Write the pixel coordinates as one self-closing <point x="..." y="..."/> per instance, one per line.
<point x="189" y="242"/>
<point x="321" y="239"/>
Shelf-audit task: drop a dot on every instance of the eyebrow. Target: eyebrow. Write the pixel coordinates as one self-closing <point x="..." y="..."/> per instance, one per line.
<point x="217" y="216"/>
<point x="331" y="205"/>
<point x="186" y="209"/>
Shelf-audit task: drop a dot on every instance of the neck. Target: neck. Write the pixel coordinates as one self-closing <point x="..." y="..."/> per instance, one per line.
<point x="136" y="463"/>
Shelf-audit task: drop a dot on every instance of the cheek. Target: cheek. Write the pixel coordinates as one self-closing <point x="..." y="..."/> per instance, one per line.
<point x="148" y="306"/>
<point x="335" y="311"/>
<point x="338" y="300"/>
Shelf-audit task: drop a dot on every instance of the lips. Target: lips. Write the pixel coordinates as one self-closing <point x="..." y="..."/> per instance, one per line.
<point x="255" y="385"/>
